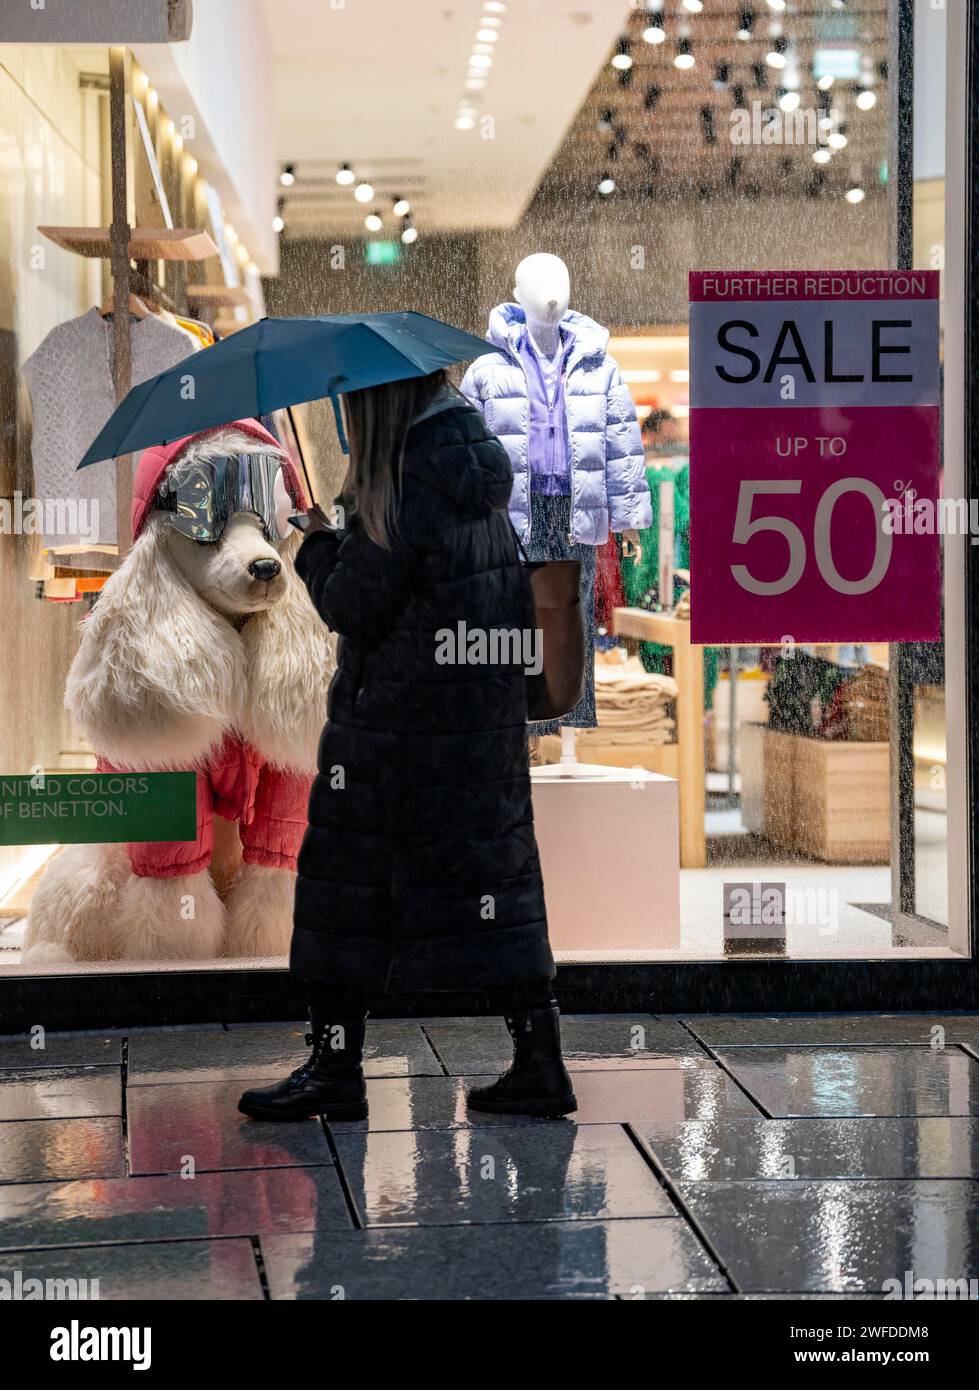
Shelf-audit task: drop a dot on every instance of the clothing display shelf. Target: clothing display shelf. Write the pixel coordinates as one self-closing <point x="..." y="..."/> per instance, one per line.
<point x="145" y="243"/>
<point x="688" y="672"/>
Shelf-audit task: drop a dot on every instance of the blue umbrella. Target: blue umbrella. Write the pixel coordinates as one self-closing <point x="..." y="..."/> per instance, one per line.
<point x="275" y="363"/>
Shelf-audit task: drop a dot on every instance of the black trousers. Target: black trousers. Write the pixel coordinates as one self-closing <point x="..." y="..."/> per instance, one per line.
<point x="535" y="994"/>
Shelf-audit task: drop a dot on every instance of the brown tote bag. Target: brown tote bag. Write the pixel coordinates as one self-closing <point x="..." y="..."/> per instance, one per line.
<point x="555" y="587"/>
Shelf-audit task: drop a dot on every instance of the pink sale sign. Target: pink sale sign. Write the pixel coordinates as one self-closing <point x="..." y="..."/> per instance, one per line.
<point x="814" y="456"/>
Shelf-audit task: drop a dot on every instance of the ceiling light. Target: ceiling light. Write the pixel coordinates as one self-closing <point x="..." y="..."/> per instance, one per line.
<point x="494" y="6"/>
<point x="694" y="6"/>
<point x="489" y="21"/>
<point x="654" y="33"/>
<point x="837" y="140"/>
<point x="855" y="194"/>
<point x="821" y="156"/>
<point x="622" y="60"/>
<point x="775" y="57"/>
<point x="288" y="176"/>
<point x="278" y="224"/>
<point x="777" y="5"/>
<point x="789" y="101"/>
<point x="867" y="100"/>
<point x="190" y="166"/>
<point x="401" y="207"/>
<point x="745" y="21"/>
<point x="409" y="235"/>
<point x="475" y="84"/>
<point x="825" y="82"/>
<point x="606" y="185"/>
<point x="345" y="175"/>
<point x="480" y="60"/>
<point x="464" y="122"/>
<point x="487" y="35"/>
<point x="364" y="192"/>
<point x="373" y="222"/>
<point x="684" y="57"/>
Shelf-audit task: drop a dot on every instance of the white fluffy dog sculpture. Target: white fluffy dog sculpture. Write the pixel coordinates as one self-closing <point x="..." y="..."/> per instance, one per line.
<point x="205" y="655"/>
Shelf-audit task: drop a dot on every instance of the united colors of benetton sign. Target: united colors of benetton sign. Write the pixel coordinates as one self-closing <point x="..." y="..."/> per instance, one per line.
<point x="81" y="808"/>
<point x="814" y="421"/>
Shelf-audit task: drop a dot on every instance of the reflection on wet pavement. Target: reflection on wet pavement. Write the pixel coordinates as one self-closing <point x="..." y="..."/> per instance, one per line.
<point x="709" y="1157"/>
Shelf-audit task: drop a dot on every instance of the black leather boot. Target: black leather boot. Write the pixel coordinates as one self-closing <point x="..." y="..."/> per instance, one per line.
<point x="537" y="1081"/>
<point x="330" y="1084"/>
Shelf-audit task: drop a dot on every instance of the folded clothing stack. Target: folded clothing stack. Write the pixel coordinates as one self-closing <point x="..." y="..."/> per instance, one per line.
<point x="632" y="705"/>
<point x="859" y="711"/>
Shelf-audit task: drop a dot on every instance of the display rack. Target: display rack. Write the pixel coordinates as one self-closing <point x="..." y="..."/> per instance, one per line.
<point x="121" y="243"/>
<point x="688" y="672"/>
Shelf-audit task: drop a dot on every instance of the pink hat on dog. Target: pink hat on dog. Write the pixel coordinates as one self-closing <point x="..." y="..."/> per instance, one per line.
<point x="154" y="462"/>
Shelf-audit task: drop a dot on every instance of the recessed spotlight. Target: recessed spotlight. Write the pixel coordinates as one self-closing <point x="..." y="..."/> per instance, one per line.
<point x="836" y="140"/>
<point x="606" y="185"/>
<point x="855" y="194"/>
<point x="777" y="5"/>
<point x="775" y="57"/>
<point x="278" y="224"/>
<point x="401" y="207"/>
<point x="746" y="20"/>
<point x="821" y="156"/>
<point x="694" y="6"/>
<point x="464" y="122"/>
<point x="825" y="82"/>
<point x="684" y="59"/>
<point x="790" y="101"/>
<point x="409" y="235"/>
<point x="288" y="176"/>
<point x="345" y="175"/>
<point x="494" y="6"/>
<point x="487" y="35"/>
<point x="364" y="192"/>
<point x="866" y="99"/>
<point x="475" y="84"/>
<point x="654" y="32"/>
<point x="373" y="222"/>
<point x="622" y="59"/>
<point x="480" y="60"/>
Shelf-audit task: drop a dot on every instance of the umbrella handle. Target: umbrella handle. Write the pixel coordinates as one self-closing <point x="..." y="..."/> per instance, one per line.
<point x="339" y="419"/>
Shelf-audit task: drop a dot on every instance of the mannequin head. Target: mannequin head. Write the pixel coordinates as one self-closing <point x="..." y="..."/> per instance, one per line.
<point x="543" y="287"/>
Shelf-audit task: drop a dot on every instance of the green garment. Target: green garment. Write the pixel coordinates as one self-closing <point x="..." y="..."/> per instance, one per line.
<point x="639" y="577"/>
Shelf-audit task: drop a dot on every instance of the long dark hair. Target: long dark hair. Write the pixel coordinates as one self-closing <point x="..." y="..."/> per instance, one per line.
<point x="377" y="421"/>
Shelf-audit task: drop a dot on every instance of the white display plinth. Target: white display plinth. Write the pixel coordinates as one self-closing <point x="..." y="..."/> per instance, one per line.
<point x="609" y="842"/>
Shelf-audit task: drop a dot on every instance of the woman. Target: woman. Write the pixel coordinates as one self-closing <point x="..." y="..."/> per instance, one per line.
<point x="419" y="869"/>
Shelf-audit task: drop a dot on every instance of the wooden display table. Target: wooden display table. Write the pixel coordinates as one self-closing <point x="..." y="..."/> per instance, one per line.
<point x="688" y="672"/>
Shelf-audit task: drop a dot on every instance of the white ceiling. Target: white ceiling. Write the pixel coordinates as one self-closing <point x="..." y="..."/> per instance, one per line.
<point x="376" y="84"/>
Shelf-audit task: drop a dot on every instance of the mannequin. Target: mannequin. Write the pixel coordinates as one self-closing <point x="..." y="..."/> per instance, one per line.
<point x="542" y="391"/>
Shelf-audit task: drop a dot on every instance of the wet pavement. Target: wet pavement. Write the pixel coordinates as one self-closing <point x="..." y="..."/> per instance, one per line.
<point x="710" y="1157"/>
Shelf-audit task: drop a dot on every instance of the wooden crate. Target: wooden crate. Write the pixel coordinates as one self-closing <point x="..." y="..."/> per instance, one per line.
<point x="842" y="801"/>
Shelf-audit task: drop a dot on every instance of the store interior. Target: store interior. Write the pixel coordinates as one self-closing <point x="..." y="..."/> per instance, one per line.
<point x="419" y="180"/>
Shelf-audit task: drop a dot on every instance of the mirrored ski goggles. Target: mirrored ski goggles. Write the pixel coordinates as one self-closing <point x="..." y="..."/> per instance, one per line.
<point x="209" y="494"/>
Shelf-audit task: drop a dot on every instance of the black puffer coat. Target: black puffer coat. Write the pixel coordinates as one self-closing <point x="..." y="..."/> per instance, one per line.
<point x="419" y="870"/>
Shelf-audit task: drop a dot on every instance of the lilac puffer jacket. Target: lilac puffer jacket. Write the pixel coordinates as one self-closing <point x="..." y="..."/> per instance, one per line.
<point x="608" y="473"/>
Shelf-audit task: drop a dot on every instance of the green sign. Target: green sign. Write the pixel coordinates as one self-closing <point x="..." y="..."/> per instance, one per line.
<point x="382" y="253"/>
<point x="85" y="808"/>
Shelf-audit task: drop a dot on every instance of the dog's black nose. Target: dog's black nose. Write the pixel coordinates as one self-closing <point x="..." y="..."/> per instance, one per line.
<point x="264" y="569"/>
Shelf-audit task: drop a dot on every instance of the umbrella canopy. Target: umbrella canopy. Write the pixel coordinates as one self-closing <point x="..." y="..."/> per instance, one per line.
<point x="275" y="363"/>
